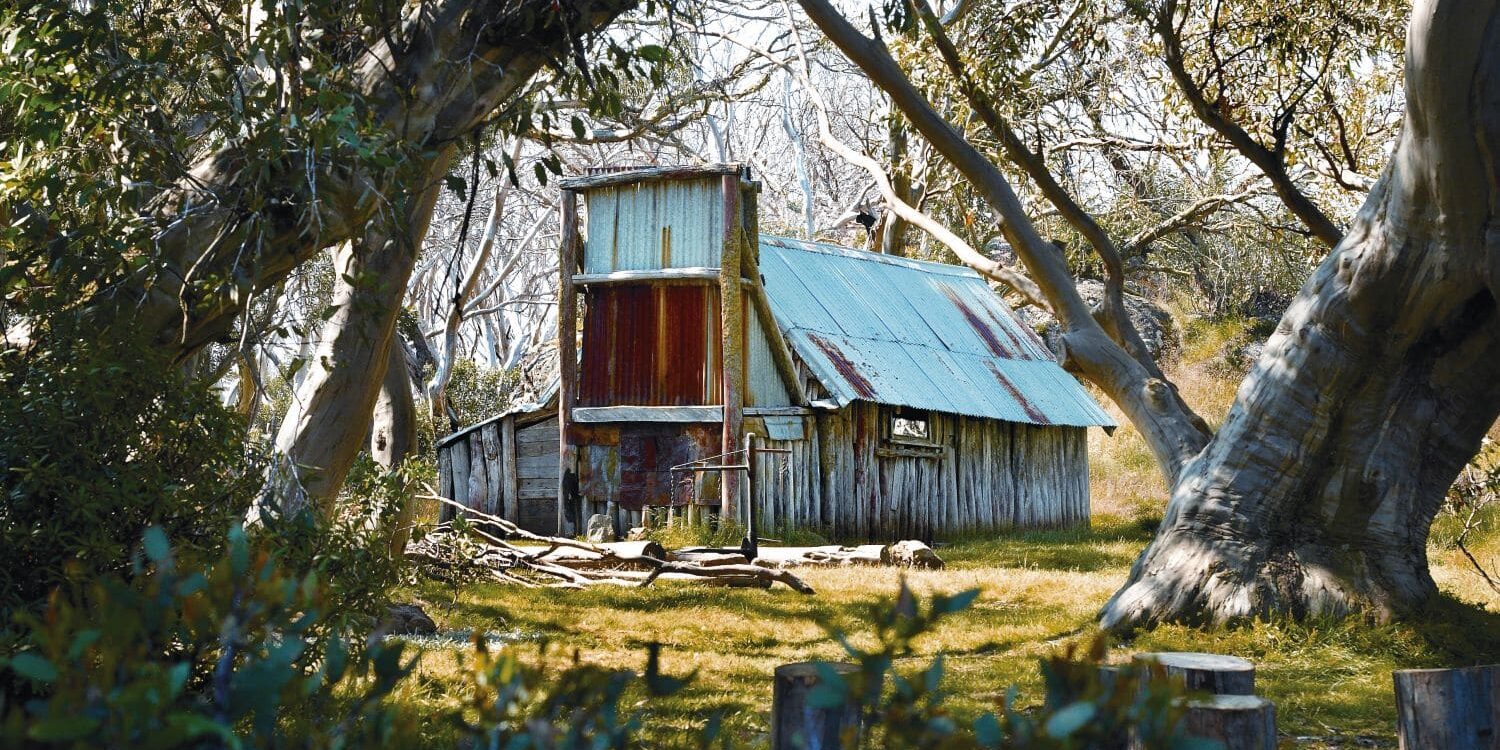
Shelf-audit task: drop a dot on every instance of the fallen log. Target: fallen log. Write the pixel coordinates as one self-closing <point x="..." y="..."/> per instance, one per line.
<point x="707" y="558"/>
<point x="912" y="554"/>
<point x="614" y="554"/>
<point x="826" y="556"/>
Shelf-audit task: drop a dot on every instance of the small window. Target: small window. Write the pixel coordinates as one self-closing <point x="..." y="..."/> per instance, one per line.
<point x="910" y="424"/>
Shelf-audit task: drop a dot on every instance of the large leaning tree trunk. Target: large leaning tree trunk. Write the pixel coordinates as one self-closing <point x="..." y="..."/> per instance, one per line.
<point x="424" y="85"/>
<point x="1317" y="494"/>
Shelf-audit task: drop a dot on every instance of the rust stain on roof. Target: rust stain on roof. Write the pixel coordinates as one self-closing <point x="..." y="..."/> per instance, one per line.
<point x="903" y="322"/>
<point x="985" y="330"/>
<point x="846" y="369"/>
<point x="1036" y="415"/>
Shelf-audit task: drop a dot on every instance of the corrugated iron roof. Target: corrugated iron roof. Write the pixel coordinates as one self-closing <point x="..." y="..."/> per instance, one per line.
<point x="914" y="333"/>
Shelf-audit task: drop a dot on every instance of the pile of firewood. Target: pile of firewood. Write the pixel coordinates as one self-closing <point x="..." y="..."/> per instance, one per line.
<point x="484" y="552"/>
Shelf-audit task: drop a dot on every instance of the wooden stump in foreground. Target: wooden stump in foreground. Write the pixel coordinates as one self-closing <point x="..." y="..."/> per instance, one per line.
<point x="1213" y="673"/>
<point x="1241" y="722"/>
<point x="796" y="724"/>
<point x="1454" y="709"/>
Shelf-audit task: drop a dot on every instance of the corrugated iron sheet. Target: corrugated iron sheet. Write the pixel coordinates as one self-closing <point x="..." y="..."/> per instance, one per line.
<point x="763" y="383"/>
<point x="912" y="333"/>
<point x="646" y="345"/>
<point x="668" y="224"/>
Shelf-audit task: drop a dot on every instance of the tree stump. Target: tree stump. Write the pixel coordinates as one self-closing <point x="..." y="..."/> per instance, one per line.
<point x="1457" y="709"/>
<point x="1241" y="722"/>
<point x="798" y="725"/>
<point x="1213" y="673"/>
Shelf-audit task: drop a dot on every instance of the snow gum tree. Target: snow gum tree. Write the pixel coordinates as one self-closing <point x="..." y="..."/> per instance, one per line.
<point x="1316" y="494"/>
<point x="208" y="150"/>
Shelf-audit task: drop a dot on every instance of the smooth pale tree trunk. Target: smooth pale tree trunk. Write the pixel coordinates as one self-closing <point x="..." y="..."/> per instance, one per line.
<point x="329" y="417"/>
<point x="393" y="432"/>
<point x="893" y="227"/>
<point x="1317" y="494"/>
<point x="799" y="152"/>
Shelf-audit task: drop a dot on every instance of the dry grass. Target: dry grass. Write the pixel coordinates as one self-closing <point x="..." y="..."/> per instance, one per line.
<point x="1123" y="477"/>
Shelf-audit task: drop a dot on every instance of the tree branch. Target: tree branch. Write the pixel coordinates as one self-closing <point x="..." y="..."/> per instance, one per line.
<point x="1173" y="432"/>
<point x="1270" y="163"/>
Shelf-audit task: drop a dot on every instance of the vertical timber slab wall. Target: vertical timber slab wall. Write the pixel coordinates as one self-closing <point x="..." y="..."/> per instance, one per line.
<point x="506" y="467"/>
<point x="536" y="475"/>
<point x="985" y="475"/>
<point x="788" y="487"/>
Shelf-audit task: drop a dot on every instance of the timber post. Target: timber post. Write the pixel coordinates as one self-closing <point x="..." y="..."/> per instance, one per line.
<point x="1457" y="709"/>
<point x="567" y="356"/>
<point x="511" y="487"/>
<point x="798" y="725"/>
<point x="731" y="337"/>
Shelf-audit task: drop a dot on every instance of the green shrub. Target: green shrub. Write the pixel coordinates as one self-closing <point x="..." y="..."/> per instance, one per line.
<point x="248" y="652"/>
<point x="1084" y="707"/>
<point x="351" y="550"/>
<point x="99" y="439"/>
<point x="240" y="653"/>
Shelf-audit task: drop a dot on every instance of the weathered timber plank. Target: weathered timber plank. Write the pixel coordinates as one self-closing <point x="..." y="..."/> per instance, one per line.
<point x="604" y="414"/>
<point x="445" y="483"/>
<point x="510" y="474"/>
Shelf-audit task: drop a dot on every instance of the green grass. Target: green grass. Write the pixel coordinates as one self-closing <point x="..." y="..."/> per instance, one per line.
<point x="1040" y="591"/>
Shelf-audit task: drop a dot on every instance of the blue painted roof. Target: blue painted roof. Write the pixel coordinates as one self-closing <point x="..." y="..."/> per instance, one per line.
<point x="913" y="333"/>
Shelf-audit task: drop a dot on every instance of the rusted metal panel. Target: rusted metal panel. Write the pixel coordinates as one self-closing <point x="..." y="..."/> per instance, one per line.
<point x="647" y="345"/>
<point x="912" y="333"/>
<point x="598" y="462"/>
<point x="665" y="224"/>
<point x="630" y="464"/>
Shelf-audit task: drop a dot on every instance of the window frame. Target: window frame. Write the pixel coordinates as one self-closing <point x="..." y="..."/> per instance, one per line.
<point x="909" y="414"/>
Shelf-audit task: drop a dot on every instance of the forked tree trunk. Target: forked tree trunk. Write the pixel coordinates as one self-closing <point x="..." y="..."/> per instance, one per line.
<point x="329" y="416"/>
<point x="1317" y="494"/>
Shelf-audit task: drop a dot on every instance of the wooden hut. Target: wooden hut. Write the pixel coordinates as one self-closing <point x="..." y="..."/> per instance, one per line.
<point x="901" y="398"/>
